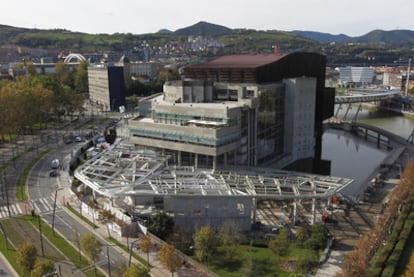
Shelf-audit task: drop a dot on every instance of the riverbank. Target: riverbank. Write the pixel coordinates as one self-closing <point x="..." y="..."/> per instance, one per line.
<point x="360" y="213"/>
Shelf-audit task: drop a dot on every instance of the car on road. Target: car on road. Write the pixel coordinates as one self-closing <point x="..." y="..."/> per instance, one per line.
<point x="78" y="138"/>
<point x="54" y="164"/>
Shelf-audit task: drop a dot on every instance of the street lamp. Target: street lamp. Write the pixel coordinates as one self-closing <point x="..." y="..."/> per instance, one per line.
<point x="7" y="193"/>
<point x="54" y="210"/>
<point x="130" y="251"/>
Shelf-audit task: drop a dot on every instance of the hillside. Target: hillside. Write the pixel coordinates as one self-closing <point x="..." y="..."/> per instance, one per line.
<point x="376" y="47"/>
<point x="203" y="29"/>
<point x="394" y="37"/>
<point x="234" y="41"/>
<point x="323" y="37"/>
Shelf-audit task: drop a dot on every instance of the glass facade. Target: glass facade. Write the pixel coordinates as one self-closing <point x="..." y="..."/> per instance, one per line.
<point x="270" y="123"/>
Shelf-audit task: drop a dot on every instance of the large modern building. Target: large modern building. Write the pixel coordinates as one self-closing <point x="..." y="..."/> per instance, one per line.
<point x="356" y="75"/>
<point x="238" y="110"/>
<point x="106" y="86"/>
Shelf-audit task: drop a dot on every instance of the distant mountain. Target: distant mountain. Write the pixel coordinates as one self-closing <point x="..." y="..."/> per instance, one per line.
<point x="203" y="28"/>
<point x="323" y="37"/>
<point x="394" y="37"/>
<point x="164" y="31"/>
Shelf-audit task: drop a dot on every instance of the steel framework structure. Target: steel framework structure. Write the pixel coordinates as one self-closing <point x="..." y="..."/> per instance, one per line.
<point x="122" y="171"/>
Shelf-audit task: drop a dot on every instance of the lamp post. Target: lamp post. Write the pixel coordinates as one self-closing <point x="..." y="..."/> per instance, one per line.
<point x="6" y="192"/>
<point x="130" y="251"/>
<point x="54" y="210"/>
<point x="41" y="235"/>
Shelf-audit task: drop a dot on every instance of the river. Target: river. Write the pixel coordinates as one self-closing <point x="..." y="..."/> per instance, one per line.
<point x="355" y="158"/>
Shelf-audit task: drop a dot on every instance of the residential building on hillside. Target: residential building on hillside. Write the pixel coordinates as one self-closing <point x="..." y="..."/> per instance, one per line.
<point x="147" y="70"/>
<point x="239" y="110"/>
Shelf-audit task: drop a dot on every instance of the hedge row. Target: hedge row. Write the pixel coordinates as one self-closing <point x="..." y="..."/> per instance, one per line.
<point x="395" y="257"/>
<point x="387" y="257"/>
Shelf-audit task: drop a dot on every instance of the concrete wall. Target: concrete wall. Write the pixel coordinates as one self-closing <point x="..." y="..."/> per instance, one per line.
<point x="197" y="211"/>
<point x="300" y="104"/>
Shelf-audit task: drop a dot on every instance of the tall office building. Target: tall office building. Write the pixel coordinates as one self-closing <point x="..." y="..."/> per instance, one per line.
<point x="106" y="86"/>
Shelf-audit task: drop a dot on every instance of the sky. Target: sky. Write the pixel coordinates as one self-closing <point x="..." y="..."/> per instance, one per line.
<point x="350" y="17"/>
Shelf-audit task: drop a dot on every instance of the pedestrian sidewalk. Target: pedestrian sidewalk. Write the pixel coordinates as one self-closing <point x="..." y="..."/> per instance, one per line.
<point x="67" y="196"/>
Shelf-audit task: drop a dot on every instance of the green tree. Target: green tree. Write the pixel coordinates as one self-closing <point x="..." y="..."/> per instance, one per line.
<point x="26" y="256"/>
<point x="63" y="74"/>
<point x="31" y="69"/>
<point x="301" y="234"/>
<point x="135" y="87"/>
<point x="229" y="235"/>
<point x="318" y="238"/>
<point x="206" y="243"/>
<point x="42" y="268"/>
<point x="161" y="225"/>
<point x="91" y="246"/>
<point x="80" y="78"/>
<point x="306" y="262"/>
<point x="169" y="258"/>
<point x="118" y="268"/>
<point x="137" y="271"/>
<point x="8" y="109"/>
<point x="169" y="74"/>
<point x="145" y="244"/>
<point x="280" y="244"/>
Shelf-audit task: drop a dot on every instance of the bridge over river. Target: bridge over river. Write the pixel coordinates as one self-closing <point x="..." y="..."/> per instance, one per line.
<point x="362" y="96"/>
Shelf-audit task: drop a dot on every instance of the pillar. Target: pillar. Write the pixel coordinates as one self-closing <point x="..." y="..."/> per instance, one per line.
<point x="214" y="162"/>
<point x="254" y="209"/>
<point x="179" y="158"/>
<point x="196" y="160"/>
<point x="313" y="211"/>
<point x="295" y="212"/>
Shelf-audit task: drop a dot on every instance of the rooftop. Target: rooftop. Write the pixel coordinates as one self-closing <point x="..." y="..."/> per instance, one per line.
<point x="123" y="170"/>
<point x="241" y="61"/>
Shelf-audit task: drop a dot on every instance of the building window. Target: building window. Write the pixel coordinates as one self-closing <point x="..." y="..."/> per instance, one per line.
<point x="240" y="207"/>
<point x="233" y="95"/>
<point x="249" y="93"/>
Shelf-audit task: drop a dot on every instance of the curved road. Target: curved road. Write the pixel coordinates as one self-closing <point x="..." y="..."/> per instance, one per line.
<point x="43" y="189"/>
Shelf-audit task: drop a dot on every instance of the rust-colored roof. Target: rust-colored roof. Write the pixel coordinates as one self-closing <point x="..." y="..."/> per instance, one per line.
<point x="241" y="61"/>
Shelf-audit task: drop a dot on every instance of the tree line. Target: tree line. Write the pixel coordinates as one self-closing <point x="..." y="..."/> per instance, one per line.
<point x="34" y="99"/>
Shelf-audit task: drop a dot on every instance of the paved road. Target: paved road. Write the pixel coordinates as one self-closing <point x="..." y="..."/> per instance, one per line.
<point x="42" y="189"/>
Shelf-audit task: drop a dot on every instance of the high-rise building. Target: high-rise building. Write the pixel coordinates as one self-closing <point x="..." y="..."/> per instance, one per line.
<point x="106" y="86"/>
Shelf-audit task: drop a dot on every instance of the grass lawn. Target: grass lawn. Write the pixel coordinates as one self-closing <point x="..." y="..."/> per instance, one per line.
<point x="21" y="182"/>
<point x="256" y="261"/>
<point x="18" y="231"/>
<point x="25" y="228"/>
